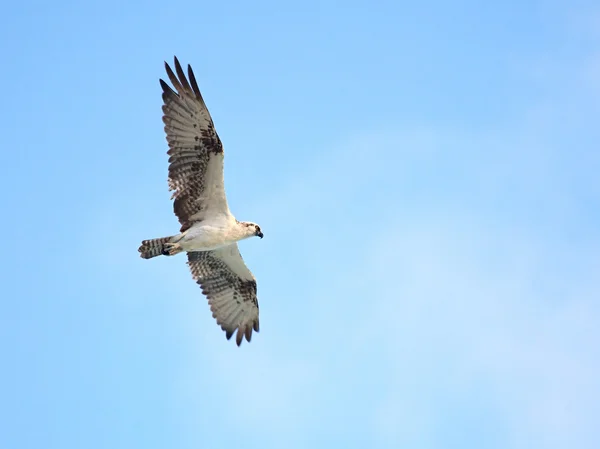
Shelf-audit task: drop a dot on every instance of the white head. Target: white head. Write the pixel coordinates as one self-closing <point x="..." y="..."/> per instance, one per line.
<point x="252" y="229"/>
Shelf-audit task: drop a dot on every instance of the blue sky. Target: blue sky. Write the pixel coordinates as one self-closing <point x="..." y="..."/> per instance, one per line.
<point x="426" y="176"/>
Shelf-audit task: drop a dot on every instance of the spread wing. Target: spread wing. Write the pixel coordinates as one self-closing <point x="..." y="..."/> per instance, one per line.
<point x="230" y="288"/>
<point x="195" y="150"/>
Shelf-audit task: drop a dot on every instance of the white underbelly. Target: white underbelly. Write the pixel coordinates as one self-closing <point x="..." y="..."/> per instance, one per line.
<point x="205" y="239"/>
<point x="194" y="245"/>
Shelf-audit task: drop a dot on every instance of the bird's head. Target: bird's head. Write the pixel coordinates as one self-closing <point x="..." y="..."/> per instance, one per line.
<point x="253" y="229"/>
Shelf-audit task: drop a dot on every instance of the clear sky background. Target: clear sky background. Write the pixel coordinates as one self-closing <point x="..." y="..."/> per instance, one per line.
<point x="427" y="178"/>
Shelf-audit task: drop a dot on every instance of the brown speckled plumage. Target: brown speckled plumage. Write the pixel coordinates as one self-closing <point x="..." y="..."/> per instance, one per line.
<point x="230" y="288"/>
<point x="194" y="147"/>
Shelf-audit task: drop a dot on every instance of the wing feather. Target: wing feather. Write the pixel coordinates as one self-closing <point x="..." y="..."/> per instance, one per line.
<point x="195" y="150"/>
<point x="230" y="288"/>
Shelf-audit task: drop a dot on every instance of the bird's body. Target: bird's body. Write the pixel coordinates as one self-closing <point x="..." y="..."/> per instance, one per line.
<point x="209" y="232"/>
<point x="207" y="235"/>
<point x="213" y="234"/>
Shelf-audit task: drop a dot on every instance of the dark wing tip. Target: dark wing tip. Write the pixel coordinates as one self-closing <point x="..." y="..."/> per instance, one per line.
<point x="181" y="75"/>
<point x="172" y="78"/>
<point x="166" y="88"/>
<point x="242" y="332"/>
<point x="194" y="83"/>
<point x="168" y="69"/>
<point x="176" y="61"/>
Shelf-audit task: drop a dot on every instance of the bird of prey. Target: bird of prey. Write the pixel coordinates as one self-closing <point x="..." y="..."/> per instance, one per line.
<point x="209" y="232"/>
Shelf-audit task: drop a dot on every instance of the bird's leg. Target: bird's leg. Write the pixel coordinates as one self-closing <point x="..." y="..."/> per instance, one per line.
<point x="170" y="249"/>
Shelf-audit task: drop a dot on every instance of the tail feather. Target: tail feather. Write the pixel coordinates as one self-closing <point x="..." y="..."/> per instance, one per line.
<point x="153" y="247"/>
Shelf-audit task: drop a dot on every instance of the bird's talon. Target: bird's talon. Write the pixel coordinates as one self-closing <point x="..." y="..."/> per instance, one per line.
<point x="170" y="249"/>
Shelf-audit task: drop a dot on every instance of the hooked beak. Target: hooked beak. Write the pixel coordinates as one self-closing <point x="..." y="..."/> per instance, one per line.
<point x="260" y="234"/>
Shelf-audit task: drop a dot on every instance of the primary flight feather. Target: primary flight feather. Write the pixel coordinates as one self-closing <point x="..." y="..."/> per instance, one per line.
<point x="209" y="232"/>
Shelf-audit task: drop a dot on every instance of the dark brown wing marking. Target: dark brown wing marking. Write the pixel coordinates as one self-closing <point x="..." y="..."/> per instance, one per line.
<point x="230" y="288"/>
<point x="195" y="150"/>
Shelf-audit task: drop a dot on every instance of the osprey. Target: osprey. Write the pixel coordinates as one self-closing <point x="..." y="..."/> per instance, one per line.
<point x="209" y="232"/>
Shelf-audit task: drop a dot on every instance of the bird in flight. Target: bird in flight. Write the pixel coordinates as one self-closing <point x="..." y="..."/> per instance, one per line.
<point x="209" y="232"/>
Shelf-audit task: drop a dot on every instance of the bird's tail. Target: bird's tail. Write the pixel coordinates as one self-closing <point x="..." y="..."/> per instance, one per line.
<point x="153" y="247"/>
